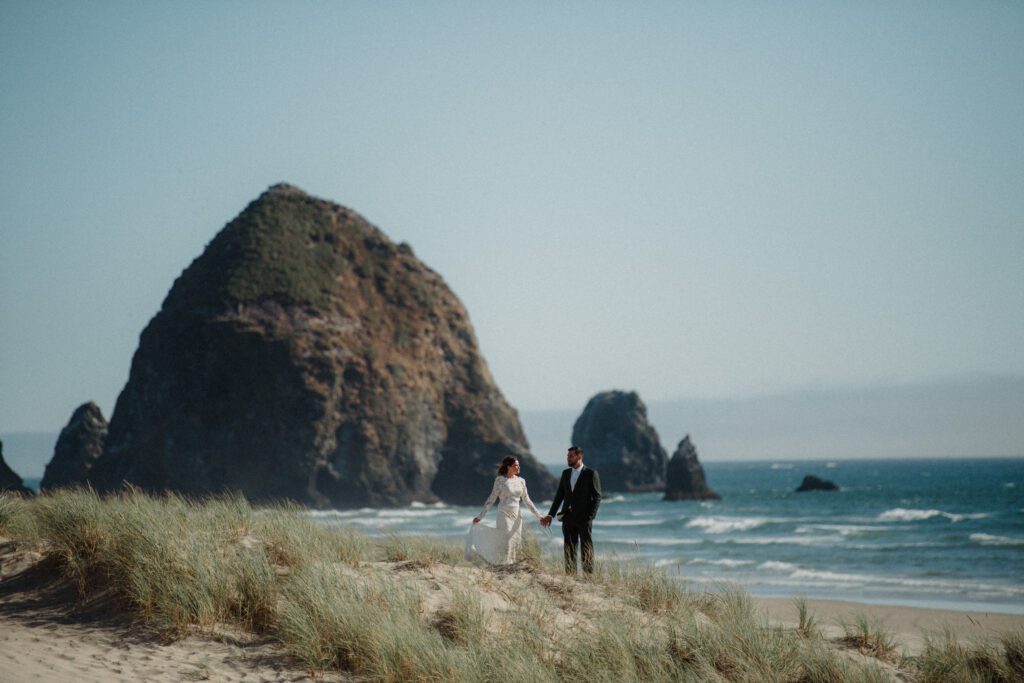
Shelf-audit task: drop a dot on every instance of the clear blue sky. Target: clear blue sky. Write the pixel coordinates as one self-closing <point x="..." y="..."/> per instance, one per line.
<point x="718" y="200"/>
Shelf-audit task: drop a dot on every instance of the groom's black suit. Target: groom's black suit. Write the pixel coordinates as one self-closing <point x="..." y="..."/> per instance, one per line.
<point x="580" y="508"/>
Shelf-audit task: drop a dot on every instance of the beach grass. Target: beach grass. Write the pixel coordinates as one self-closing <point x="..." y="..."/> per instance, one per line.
<point x="945" y="658"/>
<point x="402" y="608"/>
<point x="869" y="637"/>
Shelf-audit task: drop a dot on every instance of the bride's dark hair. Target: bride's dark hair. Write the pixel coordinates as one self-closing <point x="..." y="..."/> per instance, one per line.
<point x="506" y="462"/>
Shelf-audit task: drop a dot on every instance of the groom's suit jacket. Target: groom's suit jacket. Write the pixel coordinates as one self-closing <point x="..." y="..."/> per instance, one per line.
<point x="579" y="504"/>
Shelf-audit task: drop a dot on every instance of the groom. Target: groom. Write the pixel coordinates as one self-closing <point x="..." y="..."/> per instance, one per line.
<point x="580" y="490"/>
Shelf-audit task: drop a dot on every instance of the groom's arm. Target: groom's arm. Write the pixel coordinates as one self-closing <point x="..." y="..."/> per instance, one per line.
<point x="595" y="494"/>
<point x="559" y="495"/>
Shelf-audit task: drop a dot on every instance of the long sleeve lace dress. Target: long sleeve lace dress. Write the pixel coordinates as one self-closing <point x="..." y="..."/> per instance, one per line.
<point x="501" y="545"/>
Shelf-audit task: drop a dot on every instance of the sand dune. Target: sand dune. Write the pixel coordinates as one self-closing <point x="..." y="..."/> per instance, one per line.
<point x="46" y="634"/>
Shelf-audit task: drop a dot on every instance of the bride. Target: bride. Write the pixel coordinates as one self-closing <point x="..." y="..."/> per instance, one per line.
<point x="501" y="545"/>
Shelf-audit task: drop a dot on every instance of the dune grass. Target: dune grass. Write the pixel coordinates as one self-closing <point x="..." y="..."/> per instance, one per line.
<point x="946" y="659"/>
<point x="869" y="637"/>
<point x="401" y="608"/>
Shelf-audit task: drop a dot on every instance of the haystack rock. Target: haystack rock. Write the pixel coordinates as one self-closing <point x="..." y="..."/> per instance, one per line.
<point x="9" y="481"/>
<point x="79" y="445"/>
<point x="684" y="479"/>
<point x="304" y="355"/>
<point x="619" y="442"/>
<point x="813" y="483"/>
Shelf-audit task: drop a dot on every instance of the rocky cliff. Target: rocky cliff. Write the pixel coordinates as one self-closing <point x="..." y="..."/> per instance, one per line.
<point x="619" y="442"/>
<point x="304" y="355"/>
<point x="79" y="445"/>
<point x="9" y="481"/>
<point x="684" y="478"/>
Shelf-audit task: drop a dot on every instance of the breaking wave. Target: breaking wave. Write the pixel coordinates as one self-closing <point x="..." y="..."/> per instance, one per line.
<point x="913" y="515"/>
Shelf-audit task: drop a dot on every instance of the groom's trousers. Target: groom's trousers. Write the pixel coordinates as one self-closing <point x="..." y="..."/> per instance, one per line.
<point x="577" y="535"/>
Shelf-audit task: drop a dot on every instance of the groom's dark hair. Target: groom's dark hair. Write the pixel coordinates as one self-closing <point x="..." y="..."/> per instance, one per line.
<point x="575" y="449"/>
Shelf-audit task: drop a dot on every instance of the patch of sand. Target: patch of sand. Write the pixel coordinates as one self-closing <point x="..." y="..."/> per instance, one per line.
<point x="45" y="636"/>
<point x="908" y="625"/>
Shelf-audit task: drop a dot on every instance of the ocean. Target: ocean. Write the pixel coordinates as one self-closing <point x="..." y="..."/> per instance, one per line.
<point x="943" y="533"/>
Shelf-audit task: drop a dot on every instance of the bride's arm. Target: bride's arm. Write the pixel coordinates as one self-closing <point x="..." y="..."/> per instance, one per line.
<point x="529" y="503"/>
<point x="491" y="499"/>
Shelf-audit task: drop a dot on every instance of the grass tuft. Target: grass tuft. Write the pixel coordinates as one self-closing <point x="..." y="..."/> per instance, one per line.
<point x="868" y="637"/>
<point x="13" y="518"/>
<point x="807" y="626"/>
<point x="945" y="658"/>
<point x="421" y="551"/>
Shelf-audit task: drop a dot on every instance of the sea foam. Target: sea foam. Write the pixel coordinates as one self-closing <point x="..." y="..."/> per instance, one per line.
<point x="721" y="525"/>
<point x="992" y="539"/>
<point x="913" y="515"/>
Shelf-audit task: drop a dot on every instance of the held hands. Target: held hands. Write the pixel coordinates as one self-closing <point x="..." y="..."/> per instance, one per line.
<point x="545" y="521"/>
<point x="476" y="520"/>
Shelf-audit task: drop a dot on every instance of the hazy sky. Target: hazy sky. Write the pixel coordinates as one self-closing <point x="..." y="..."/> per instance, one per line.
<point x="709" y="200"/>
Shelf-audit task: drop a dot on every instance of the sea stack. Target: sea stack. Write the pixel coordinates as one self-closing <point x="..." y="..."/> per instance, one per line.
<point x="813" y="483"/>
<point x="619" y="442"/>
<point x="306" y="356"/>
<point x="9" y="481"/>
<point x="78" y="447"/>
<point x="684" y="479"/>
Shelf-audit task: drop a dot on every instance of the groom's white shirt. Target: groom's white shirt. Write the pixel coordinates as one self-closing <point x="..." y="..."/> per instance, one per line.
<point x="574" y="476"/>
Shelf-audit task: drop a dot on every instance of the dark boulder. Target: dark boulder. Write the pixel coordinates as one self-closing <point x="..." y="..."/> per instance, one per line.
<point x="304" y="355"/>
<point x="619" y="442"/>
<point x="79" y="445"/>
<point x="9" y="481"/>
<point x="813" y="483"/>
<point x="684" y="478"/>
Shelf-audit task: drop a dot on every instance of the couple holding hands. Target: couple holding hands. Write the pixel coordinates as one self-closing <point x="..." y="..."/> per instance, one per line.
<point x="578" y="494"/>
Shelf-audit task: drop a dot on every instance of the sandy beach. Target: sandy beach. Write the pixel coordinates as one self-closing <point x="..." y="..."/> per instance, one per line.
<point x="908" y="625"/>
<point x="47" y="635"/>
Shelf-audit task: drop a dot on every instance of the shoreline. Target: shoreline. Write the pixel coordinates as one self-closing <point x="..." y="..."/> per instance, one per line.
<point x="894" y="602"/>
<point x="908" y="625"/>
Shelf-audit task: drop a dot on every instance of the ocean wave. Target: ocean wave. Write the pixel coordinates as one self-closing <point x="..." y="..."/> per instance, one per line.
<point x="904" y="588"/>
<point x="667" y="562"/>
<point x="627" y="522"/>
<point x="613" y="499"/>
<point x="339" y="514"/>
<point x="782" y="466"/>
<point x="843" y="529"/>
<point x="721" y="563"/>
<point x="783" y="540"/>
<point x="823" y="578"/>
<point x="721" y="525"/>
<point x="940" y="585"/>
<point x="991" y="539"/>
<point x="831" y="465"/>
<point x="773" y="566"/>
<point x="378" y="521"/>
<point x="437" y="505"/>
<point x="914" y="515"/>
<point x="417" y="513"/>
<point x="633" y="542"/>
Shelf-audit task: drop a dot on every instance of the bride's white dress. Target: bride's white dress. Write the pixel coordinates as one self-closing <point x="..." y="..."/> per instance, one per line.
<point x="501" y="545"/>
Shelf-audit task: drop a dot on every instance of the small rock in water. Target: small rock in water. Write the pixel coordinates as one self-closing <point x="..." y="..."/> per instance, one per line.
<point x="813" y="483"/>
<point x="685" y="475"/>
